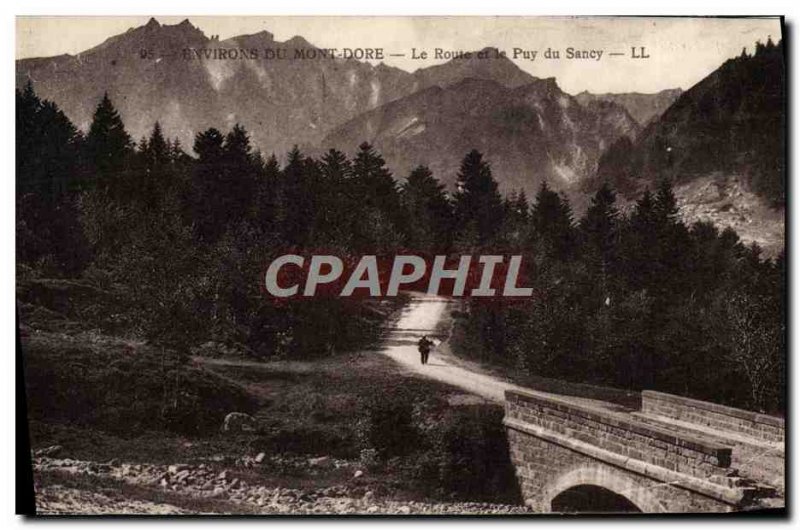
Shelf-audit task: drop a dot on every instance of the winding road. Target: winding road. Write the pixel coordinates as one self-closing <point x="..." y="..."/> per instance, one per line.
<point x="429" y="315"/>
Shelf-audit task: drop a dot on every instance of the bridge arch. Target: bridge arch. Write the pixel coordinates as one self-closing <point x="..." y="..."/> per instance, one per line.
<point x="620" y="489"/>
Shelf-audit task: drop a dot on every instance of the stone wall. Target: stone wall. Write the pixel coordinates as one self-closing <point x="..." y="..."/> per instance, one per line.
<point x="620" y="434"/>
<point x="545" y="470"/>
<point x="556" y="444"/>
<point x="714" y="416"/>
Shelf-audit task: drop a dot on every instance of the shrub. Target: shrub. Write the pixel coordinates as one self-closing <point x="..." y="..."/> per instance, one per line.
<point x="467" y="458"/>
<point x="126" y="389"/>
<point x="386" y="425"/>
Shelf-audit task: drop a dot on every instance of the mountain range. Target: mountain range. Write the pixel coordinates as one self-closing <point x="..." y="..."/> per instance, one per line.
<point x="324" y="103"/>
<point x="530" y="133"/>
<point x="643" y="107"/>
<point x="721" y="141"/>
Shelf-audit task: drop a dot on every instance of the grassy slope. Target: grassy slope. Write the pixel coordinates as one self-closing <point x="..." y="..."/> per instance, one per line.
<point x="104" y="397"/>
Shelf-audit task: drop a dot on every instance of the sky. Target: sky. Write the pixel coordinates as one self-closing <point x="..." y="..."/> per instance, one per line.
<point x="681" y="51"/>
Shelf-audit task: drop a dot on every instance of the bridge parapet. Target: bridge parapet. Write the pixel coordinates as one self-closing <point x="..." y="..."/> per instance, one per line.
<point x="621" y="434"/>
<point x="562" y="445"/>
<point x="713" y="416"/>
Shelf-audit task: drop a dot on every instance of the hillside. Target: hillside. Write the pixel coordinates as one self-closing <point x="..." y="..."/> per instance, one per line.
<point x="643" y="107"/>
<point x="530" y="133"/>
<point x="283" y="102"/>
<point x="728" y="129"/>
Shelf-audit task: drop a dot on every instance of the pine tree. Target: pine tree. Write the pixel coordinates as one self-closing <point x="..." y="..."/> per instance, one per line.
<point x="673" y="243"/>
<point x="337" y="202"/>
<point x="210" y="210"/>
<point x="298" y="214"/>
<point x="336" y="168"/>
<point x="267" y="195"/>
<point x="477" y="202"/>
<point x="108" y="144"/>
<point x="47" y="147"/>
<point x="600" y="234"/>
<point x="47" y="170"/>
<point x="551" y="222"/>
<point x="237" y="146"/>
<point x="208" y="146"/>
<point x="517" y="219"/>
<point x="521" y="207"/>
<point x="158" y="152"/>
<point x="428" y="211"/>
<point x="176" y="153"/>
<point x="665" y="206"/>
<point x="374" y="181"/>
<point x="239" y="174"/>
<point x="641" y="252"/>
<point x="380" y="199"/>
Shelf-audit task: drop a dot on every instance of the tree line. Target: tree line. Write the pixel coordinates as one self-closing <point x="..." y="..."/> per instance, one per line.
<point x="633" y="298"/>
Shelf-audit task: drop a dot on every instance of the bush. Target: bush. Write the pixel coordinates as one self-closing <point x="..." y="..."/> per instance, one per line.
<point x="387" y="424"/>
<point x="467" y="458"/>
<point x="126" y="389"/>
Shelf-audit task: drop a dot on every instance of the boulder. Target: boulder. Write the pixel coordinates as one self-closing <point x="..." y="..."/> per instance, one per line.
<point x="239" y="422"/>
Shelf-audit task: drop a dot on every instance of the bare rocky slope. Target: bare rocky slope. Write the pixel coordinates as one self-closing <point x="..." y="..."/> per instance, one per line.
<point x="722" y="144"/>
<point x="644" y="108"/>
<point x="529" y="133"/>
<point x="528" y="127"/>
<point x="189" y="81"/>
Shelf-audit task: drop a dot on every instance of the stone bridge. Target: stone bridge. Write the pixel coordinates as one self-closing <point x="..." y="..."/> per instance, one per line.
<point x="673" y="455"/>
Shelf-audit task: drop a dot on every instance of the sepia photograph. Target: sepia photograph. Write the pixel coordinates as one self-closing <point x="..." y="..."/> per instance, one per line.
<point x="498" y="266"/>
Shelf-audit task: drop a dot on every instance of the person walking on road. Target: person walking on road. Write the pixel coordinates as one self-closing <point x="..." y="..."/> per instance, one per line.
<point x="424" y="346"/>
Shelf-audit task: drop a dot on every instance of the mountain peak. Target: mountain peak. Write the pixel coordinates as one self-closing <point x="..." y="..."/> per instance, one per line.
<point x="546" y="86"/>
<point x="484" y="64"/>
<point x="262" y="38"/>
<point x="298" y="42"/>
<point x="264" y="34"/>
<point x="152" y="24"/>
<point x="477" y="83"/>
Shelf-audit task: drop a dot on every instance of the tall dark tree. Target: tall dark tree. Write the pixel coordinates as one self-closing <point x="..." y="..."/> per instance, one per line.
<point x="267" y="194"/>
<point x="477" y="202"/>
<point x="640" y="242"/>
<point x="225" y="181"/>
<point x="298" y="201"/>
<point x="374" y="180"/>
<point x="373" y="183"/>
<point x="673" y="242"/>
<point x="551" y="220"/>
<point x="338" y="203"/>
<point x="665" y="205"/>
<point x="517" y="219"/>
<point x="158" y="152"/>
<point x="240" y="173"/>
<point x="208" y="146"/>
<point x="428" y="211"/>
<point x="108" y="144"/>
<point x="600" y="229"/>
<point x="47" y="147"/>
<point x="155" y="174"/>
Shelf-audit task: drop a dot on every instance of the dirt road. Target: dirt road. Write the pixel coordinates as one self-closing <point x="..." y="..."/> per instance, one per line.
<point x="424" y="315"/>
<point x="429" y="315"/>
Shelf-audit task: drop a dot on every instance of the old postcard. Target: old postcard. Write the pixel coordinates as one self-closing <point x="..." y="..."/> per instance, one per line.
<point x="401" y="265"/>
